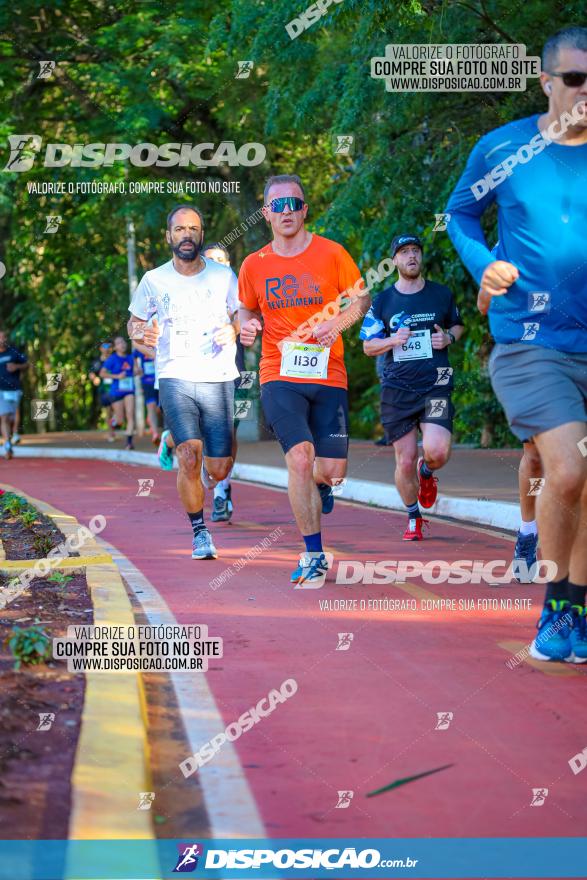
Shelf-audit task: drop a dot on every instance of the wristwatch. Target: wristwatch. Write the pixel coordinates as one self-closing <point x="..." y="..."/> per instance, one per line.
<point x="452" y="336"/>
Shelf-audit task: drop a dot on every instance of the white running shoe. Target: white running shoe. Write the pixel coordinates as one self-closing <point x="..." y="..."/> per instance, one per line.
<point x="203" y="546"/>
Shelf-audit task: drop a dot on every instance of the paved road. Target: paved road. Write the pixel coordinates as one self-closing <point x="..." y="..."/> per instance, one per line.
<point x="491" y="474"/>
<point x="366" y="716"/>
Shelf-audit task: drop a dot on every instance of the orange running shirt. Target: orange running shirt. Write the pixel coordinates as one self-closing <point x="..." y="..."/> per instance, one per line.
<point x="290" y="290"/>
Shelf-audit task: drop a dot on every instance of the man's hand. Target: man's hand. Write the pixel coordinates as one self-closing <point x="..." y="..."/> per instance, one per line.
<point x="440" y="339"/>
<point x="483" y="301"/>
<point x="401" y="336"/>
<point x="498" y="277"/>
<point x="225" y="336"/>
<point x="12" y="368"/>
<point x="151" y="334"/>
<point x="326" y="333"/>
<point x="249" y="331"/>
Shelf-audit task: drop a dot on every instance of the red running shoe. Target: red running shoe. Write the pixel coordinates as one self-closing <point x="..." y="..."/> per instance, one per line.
<point x="428" y="487"/>
<point x="414" y="529"/>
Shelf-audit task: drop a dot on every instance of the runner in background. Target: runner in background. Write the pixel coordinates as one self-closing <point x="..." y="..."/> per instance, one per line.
<point x="537" y="288"/>
<point x="145" y="368"/>
<point x="413" y="322"/>
<point x="12" y="363"/>
<point x="103" y="386"/>
<point x="290" y="283"/>
<point x="119" y="367"/>
<point x="223" y="507"/>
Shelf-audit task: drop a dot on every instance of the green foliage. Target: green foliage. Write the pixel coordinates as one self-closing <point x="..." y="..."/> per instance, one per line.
<point x="29" y="646"/>
<point x="59" y="578"/>
<point x="29" y="518"/>
<point x="42" y="544"/>
<point x="133" y="72"/>
<point x="13" y="504"/>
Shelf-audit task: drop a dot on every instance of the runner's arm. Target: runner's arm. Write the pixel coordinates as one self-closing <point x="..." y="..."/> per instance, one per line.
<point x="17" y="365"/>
<point x="375" y="347"/>
<point x="250" y="324"/>
<point x="465" y="208"/>
<point x="145" y="349"/>
<point x="136" y="329"/>
<point x="457" y="331"/>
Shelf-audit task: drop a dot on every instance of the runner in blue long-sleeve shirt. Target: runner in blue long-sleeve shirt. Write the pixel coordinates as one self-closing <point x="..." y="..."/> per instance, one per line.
<point x="535" y="288"/>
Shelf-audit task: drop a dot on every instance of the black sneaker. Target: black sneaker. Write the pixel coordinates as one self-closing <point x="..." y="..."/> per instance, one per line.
<point x="327" y="497"/>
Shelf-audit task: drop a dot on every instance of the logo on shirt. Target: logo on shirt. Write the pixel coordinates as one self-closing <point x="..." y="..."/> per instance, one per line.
<point x="290" y="291"/>
<point x="401" y="319"/>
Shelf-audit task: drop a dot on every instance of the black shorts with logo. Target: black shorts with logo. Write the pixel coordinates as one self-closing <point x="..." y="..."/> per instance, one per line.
<point x="403" y="410"/>
<point x="308" y="411"/>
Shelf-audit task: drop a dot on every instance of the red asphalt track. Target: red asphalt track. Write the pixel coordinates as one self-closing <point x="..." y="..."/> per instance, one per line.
<point x="364" y="717"/>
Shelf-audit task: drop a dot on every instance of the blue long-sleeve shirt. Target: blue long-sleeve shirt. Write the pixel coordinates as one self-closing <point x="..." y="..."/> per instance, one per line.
<point x="542" y="230"/>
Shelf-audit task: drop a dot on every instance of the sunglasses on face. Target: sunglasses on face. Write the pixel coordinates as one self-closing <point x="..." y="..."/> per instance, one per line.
<point x="573" y="79"/>
<point x="278" y="206"/>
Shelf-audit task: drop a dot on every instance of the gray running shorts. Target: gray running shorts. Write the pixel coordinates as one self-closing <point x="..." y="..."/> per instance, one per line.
<point x="539" y="388"/>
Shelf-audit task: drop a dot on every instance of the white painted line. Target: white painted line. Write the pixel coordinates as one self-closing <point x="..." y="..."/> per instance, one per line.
<point x="230" y="805"/>
<point x="496" y="514"/>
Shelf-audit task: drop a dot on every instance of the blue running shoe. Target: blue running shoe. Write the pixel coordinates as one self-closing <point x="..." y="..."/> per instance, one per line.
<point x="203" y="546"/>
<point x="327" y="497"/>
<point x="311" y="571"/>
<point x="524" y="558"/>
<point x="553" y="641"/>
<point x="164" y="453"/>
<point x="222" y="510"/>
<point x="578" y="635"/>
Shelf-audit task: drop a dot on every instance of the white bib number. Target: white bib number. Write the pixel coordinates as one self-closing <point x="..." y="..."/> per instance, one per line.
<point x="149" y="368"/>
<point x="304" y="361"/>
<point x="418" y="347"/>
<point x="126" y="384"/>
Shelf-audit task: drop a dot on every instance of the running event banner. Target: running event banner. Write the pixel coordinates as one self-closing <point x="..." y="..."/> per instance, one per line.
<point x="293" y="445"/>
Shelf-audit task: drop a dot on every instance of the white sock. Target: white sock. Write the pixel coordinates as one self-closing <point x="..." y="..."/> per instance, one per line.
<point x="222" y="487"/>
<point x="528" y="528"/>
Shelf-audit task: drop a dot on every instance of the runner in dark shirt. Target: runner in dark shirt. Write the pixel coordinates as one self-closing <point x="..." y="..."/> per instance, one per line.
<point x="12" y="363"/>
<point x="103" y="385"/>
<point x="413" y="322"/>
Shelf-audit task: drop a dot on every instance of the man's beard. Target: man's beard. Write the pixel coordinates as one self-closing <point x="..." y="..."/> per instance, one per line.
<point x="187" y="254"/>
<point x="411" y="272"/>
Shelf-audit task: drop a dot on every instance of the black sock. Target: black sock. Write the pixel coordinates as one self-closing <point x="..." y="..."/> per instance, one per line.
<point x="576" y="594"/>
<point x="425" y="470"/>
<point x="556" y="590"/>
<point x="413" y="510"/>
<point x="197" y="521"/>
<point x="129" y="439"/>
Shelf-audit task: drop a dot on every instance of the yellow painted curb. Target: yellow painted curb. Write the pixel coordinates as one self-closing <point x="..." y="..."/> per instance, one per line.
<point x="112" y="757"/>
<point x="65" y="562"/>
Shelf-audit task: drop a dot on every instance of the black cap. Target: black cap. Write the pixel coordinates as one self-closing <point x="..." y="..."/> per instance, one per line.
<point x="401" y="241"/>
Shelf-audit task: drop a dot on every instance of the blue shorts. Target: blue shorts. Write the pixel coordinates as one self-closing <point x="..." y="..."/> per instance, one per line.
<point x="150" y="393"/>
<point x="120" y="395"/>
<point x="308" y="411"/>
<point x="199" y="411"/>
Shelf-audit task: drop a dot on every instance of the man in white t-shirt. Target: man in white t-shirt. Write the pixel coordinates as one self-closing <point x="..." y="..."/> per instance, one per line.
<point x="187" y="309"/>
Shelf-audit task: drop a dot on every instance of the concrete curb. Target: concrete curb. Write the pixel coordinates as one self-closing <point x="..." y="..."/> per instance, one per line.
<point x="113" y="744"/>
<point x="496" y="514"/>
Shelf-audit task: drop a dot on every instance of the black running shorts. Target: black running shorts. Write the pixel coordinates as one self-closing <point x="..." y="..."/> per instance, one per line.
<point x="308" y="411"/>
<point x="403" y="410"/>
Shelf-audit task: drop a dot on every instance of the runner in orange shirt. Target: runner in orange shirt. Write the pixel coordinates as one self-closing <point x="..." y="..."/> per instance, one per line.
<point x="302" y="290"/>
